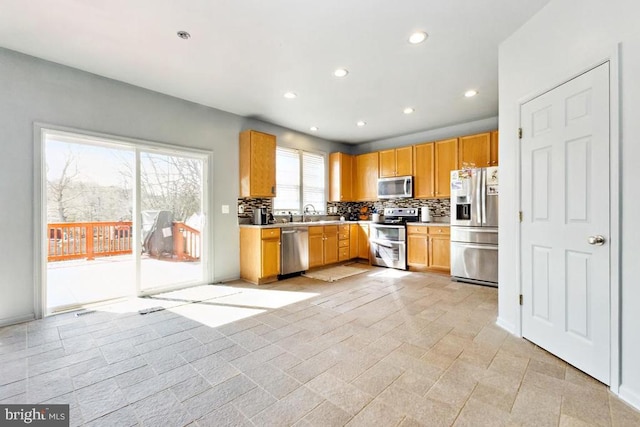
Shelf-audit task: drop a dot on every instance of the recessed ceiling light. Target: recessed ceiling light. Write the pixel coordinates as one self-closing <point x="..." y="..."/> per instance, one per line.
<point x="470" y="93"/>
<point x="361" y="123"/>
<point x="184" y="35"/>
<point x="290" y="95"/>
<point x="313" y="128"/>
<point x="418" y="37"/>
<point x="408" y="110"/>
<point x="341" y="72"/>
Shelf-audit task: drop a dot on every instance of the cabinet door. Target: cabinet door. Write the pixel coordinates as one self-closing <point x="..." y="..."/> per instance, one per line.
<point x="446" y="158"/>
<point x="353" y="240"/>
<point x="270" y="257"/>
<point x="366" y="176"/>
<point x="316" y="246"/>
<point x="424" y="171"/>
<point x="387" y="161"/>
<point x="417" y="249"/>
<point x="494" y="148"/>
<point x="340" y="177"/>
<point x="363" y="241"/>
<point x="404" y="161"/>
<point x="330" y="244"/>
<point x="257" y="164"/>
<point x="439" y="252"/>
<point x="473" y="151"/>
<point x="263" y="165"/>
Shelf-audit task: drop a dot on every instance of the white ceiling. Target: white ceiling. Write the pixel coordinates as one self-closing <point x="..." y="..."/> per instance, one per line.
<point x="245" y="54"/>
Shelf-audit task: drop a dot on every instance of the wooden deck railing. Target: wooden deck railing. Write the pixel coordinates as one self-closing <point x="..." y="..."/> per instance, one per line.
<point x="78" y="240"/>
<point x="186" y="242"/>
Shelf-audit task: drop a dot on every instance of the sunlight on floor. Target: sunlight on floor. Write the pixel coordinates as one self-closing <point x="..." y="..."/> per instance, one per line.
<point x="390" y="273"/>
<point x="213" y="305"/>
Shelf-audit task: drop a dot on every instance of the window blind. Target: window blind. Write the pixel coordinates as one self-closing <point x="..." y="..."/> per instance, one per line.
<point x="300" y="180"/>
<point x="287" y="180"/>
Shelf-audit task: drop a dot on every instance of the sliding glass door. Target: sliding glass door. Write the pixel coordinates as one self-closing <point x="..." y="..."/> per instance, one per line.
<point x="122" y="218"/>
<point x="171" y="200"/>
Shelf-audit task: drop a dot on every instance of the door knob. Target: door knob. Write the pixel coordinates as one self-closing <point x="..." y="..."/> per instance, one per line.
<point x="596" y="240"/>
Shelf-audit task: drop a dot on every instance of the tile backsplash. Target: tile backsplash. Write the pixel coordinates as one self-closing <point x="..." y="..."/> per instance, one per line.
<point x="438" y="207"/>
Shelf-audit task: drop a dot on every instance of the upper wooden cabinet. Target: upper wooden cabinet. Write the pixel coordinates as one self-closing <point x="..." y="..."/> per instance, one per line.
<point x="257" y="164"/>
<point x="340" y="177"/>
<point x="365" y="176"/>
<point x="494" y="148"/>
<point x="474" y="151"/>
<point x="424" y="171"/>
<point x="396" y="162"/>
<point x="446" y="160"/>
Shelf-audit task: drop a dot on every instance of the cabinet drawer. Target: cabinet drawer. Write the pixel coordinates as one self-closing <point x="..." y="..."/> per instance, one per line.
<point x="416" y="229"/>
<point x="343" y="236"/>
<point x="343" y="254"/>
<point x="318" y="229"/>
<point x="344" y="229"/>
<point x="440" y="230"/>
<point x="343" y="243"/>
<point x="269" y="233"/>
<point x="331" y="229"/>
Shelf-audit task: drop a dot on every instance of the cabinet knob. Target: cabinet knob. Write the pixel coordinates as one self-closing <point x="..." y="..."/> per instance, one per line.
<point x="488" y="163"/>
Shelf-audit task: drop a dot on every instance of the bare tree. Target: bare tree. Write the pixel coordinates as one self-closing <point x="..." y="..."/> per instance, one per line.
<point x="60" y="188"/>
<point x="169" y="183"/>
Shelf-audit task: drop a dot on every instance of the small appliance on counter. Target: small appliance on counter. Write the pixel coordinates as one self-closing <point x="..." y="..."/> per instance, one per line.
<point x="425" y="214"/>
<point x="260" y="216"/>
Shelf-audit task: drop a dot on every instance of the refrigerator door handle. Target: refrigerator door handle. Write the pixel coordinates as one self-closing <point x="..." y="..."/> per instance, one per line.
<point x="483" y="196"/>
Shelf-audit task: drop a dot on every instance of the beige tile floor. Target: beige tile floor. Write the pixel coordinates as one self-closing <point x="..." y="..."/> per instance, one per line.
<point x="383" y="348"/>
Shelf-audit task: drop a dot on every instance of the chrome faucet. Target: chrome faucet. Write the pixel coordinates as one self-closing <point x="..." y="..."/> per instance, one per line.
<point x="305" y="211"/>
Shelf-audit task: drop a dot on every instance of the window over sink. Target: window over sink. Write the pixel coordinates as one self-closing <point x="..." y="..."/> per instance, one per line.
<point x="300" y="181"/>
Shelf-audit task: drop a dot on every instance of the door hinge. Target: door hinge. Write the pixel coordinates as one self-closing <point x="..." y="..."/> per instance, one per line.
<point x="520" y="299"/>
<point x="519" y="133"/>
<point x="520" y="216"/>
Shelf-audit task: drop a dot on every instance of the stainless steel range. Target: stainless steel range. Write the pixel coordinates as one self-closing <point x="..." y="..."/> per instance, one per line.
<point x="388" y="239"/>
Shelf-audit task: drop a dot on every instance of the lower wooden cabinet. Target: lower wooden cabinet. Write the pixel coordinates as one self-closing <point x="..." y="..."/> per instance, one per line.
<point x="439" y="248"/>
<point x="363" y="241"/>
<point x="417" y="247"/>
<point x="323" y="245"/>
<point x="259" y="254"/>
<point x="428" y="248"/>
<point x="344" y="234"/>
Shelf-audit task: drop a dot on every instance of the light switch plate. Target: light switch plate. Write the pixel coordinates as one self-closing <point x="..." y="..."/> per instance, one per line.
<point x="241" y="209"/>
<point x="225" y="209"/>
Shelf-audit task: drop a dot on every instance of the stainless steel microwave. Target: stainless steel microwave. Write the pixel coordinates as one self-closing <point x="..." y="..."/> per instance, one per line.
<point x="397" y="187"/>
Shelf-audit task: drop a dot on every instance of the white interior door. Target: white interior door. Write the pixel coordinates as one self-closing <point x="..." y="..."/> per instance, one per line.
<point x="565" y="204"/>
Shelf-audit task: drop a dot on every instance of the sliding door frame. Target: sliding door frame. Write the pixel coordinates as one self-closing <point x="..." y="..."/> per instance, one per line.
<point x="40" y="132"/>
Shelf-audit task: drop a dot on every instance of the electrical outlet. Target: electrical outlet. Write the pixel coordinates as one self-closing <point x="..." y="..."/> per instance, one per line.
<point x="241" y="209"/>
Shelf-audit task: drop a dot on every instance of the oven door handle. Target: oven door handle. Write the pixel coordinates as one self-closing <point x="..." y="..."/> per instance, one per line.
<point x="382" y="243"/>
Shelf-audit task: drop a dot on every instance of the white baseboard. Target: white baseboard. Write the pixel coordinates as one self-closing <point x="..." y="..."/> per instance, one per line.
<point x="7" y="321"/>
<point x="509" y="327"/>
<point x="632" y="397"/>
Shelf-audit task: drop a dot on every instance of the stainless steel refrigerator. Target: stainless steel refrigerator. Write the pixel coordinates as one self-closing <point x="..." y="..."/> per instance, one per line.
<point x="474" y="226"/>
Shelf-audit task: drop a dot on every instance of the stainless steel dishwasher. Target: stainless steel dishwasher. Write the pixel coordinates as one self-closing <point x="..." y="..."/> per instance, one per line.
<point x="294" y="250"/>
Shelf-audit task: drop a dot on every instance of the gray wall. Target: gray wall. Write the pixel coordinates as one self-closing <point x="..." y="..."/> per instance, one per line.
<point x="565" y="38"/>
<point x="33" y="90"/>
